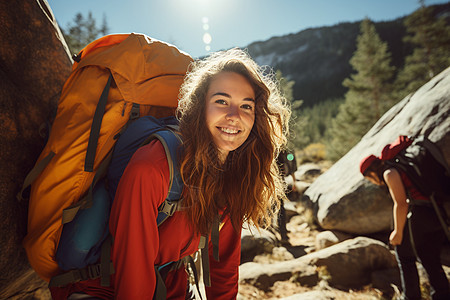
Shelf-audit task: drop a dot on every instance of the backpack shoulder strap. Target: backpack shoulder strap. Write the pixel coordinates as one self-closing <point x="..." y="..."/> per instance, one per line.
<point x="171" y="142"/>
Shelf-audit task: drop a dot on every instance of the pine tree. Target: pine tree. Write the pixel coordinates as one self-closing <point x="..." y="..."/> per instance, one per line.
<point x="299" y="126"/>
<point x="431" y="36"/>
<point x="368" y="92"/>
<point x="297" y="136"/>
<point x="83" y="31"/>
<point x="105" y="28"/>
<point x="286" y="86"/>
<point x="319" y="118"/>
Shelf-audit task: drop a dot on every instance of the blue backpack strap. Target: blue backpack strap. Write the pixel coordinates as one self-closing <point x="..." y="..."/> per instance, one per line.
<point x="171" y="142"/>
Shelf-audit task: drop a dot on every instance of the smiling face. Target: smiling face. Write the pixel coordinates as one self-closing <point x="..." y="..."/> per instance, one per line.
<point x="230" y="111"/>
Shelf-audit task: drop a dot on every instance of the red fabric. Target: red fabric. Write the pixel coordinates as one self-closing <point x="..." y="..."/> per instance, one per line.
<point x="366" y="162"/>
<point x="224" y="273"/>
<point x="139" y="245"/>
<point x="90" y="287"/>
<point x="389" y="152"/>
<point x="392" y="149"/>
<point x="413" y="192"/>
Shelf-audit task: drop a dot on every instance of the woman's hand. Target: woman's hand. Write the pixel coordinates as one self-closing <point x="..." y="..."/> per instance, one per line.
<point x="396" y="238"/>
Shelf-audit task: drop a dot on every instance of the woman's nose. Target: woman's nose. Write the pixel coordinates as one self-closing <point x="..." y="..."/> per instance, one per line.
<point x="232" y="113"/>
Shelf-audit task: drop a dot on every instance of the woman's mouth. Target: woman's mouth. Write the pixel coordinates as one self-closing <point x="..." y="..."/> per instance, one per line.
<point x="228" y="130"/>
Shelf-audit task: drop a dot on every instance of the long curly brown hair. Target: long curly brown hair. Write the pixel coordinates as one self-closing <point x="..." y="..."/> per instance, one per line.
<point x="248" y="185"/>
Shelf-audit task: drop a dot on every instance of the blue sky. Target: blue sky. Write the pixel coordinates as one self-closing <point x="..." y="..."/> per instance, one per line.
<point x="201" y="26"/>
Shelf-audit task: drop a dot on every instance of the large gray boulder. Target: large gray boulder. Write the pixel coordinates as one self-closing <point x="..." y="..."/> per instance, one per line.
<point x="313" y="295"/>
<point x="264" y="275"/>
<point x="350" y="263"/>
<point x="329" y="238"/>
<point x="34" y="64"/>
<point x="341" y="199"/>
<point x="346" y="265"/>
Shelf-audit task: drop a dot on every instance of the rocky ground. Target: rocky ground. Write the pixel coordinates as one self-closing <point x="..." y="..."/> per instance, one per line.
<point x="303" y="239"/>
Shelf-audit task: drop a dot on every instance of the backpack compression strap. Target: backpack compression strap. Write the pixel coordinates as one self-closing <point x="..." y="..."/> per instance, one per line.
<point x="70" y="212"/>
<point x="34" y="173"/>
<point x="95" y="127"/>
<point x="97" y="123"/>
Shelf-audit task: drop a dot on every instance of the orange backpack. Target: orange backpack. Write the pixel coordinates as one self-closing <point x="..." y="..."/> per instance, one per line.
<point x="115" y="79"/>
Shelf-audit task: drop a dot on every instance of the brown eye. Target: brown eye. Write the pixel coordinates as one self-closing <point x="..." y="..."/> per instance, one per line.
<point x="247" y="106"/>
<point x="220" y="101"/>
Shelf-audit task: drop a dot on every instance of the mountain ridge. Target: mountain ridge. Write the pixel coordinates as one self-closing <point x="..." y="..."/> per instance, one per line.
<point x="317" y="59"/>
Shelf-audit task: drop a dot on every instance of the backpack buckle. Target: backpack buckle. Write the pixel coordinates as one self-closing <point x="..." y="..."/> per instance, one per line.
<point x="168" y="207"/>
<point x="93" y="271"/>
<point x="135" y="111"/>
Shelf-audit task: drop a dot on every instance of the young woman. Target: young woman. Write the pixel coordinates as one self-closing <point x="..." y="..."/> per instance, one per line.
<point x="232" y="122"/>
<point x="417" y="230"/>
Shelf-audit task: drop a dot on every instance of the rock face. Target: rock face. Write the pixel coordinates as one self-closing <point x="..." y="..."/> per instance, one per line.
<point x="34" y="65"/>
<point x="341" y="199"/>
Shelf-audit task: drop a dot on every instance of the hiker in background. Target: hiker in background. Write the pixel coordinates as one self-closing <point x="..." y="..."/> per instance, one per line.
<point x="232" y="120"/>
<point x="287" y="165"/>
<point x="417" y="231"/>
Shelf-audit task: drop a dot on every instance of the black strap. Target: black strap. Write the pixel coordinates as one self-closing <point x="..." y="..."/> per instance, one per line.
<point x="411" y="236"/>
<point x="34" y="173"/>
<point x="160" y="289"/>
<point x="70" y="212"/>
<point x="432" y="204"/>
<point x="95" y="127"/>
<point x="104" y="270"/>
<point x="215" y="237"/>
<point x="205" y="264"/>
<point x="89" y="272"/>
<point x="105" y="262"/>
<point x="418" y="202"/>
<point x="205" y="250"/>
